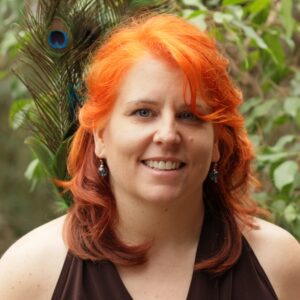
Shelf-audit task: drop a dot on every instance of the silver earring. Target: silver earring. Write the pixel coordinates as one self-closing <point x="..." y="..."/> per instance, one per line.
<point x="213" y="174"/>
<point x="102" y="170"/>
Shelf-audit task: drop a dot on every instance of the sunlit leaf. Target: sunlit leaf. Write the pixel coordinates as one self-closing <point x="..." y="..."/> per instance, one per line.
<point x="290" y="213"/>
<point x="236" y="11"/>
<point x="287" y="16"/>
<point x="272" y="158"/>
<point x="278" y="205"/>
<point x="295" y="84"/>
<point x="199" y="21"/>
<point x="34" y="173"/>
<point x="233" y="2"/>
<point x="44" y="155"/>
<point x="285" y="174"/>
<point x="257" y="6"/>
<point x="18" y="112"/>
<point x="292" y="106"/>
<point x="249" y="104"/>
<point x="282" y="141"/>
<point x="275" y="47"/>
<point x="255" y="139"/>
<point x="250" y="33"/>
<point x="8" y="42"/>
<point x="60" y="161"/>
<point x="220" y="18"/>
<point x="264" y="108"/>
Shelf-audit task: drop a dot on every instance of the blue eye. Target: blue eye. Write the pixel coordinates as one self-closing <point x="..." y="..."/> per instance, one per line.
<point x="187" y="115"/>
<point x="144" y="113"/>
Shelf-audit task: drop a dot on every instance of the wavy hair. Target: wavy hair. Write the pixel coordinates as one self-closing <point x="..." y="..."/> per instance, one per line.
<point x="92" y="218"/>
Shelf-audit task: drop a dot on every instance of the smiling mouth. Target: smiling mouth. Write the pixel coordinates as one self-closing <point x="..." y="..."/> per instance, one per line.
<point x="163" y="165"/>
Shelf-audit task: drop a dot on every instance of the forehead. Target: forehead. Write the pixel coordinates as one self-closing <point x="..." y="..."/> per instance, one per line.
<point x="151" y="73"/>
<point x="151" y="78"/>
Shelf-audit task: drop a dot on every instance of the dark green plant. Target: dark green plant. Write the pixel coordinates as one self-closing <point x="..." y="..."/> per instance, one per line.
<point x="261" y="38"/>
<point x="56" y="42"/>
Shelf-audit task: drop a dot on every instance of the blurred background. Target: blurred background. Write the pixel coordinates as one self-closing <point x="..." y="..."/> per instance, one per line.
<point x="261" y="38"/>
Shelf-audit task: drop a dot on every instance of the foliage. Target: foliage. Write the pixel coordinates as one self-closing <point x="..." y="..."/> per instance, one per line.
<point x="55" y="46"/>
<point x="261" y="38"/>
<point x="20" y="209"/>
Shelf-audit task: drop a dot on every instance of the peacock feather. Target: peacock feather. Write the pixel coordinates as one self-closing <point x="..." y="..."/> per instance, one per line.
<point x="58" y="39"/>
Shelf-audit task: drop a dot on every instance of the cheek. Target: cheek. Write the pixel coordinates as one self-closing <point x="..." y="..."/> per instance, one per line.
<point x="123" y="143"/>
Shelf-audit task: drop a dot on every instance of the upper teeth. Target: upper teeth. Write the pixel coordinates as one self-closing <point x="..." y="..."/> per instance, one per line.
<point x="162" y="165"/>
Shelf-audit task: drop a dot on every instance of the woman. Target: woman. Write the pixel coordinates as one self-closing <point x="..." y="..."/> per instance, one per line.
<point x="161" y="179"/>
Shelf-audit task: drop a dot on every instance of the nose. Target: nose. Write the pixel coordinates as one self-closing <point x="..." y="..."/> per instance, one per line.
<point x="167" y="132"/>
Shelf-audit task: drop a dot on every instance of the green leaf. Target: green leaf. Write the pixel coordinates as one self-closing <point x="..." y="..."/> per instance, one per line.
<point x="278" y="205"/>
<point x="261" y="197"/>
<point x="264" y="108"/>
<point x="195" y="14"/>
<point x="60" y="161"/>
<point x="31" y="168"/>
<point x="34" y="173"/>
<point x="297" y="119"/>
<point x="221" y="18"/>
<point x="236" y="11"/>
<point x="296" y="228"/>
<point x="282" y="141"/>
<point x="290" y="213"/>
<point x="285" y="174"/>
<point x="257" y="6"/>
<point x="281" y="119"/>
<point x="287" y="16"/>
<point x="3" y="74"/>
<point x="291" y="106"/>
<point x="275" y="47"/>
<point x="272" y="158"/>
<point x="233" y="2"/>
<point x="295" y="84"/>
<point x="255" y="139"/>
<point x="249" y="104"/>
<point x="44" y="155"/>
<point x="18" y="112"/>
<point x="249" y="31"/>
<point x="199" y="21"/>
<point x="9" y="41"/>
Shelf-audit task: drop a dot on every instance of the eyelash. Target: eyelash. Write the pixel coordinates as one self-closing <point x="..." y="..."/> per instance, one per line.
<point x="139" y="111"/>
<point x="191" y="116"/>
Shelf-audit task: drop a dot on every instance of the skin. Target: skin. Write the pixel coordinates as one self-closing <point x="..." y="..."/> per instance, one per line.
<point x="150" y="121"/>
<point x="157" y="205"/>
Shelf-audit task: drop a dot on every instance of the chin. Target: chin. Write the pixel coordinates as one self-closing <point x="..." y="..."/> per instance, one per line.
<point x="162" y="197"/>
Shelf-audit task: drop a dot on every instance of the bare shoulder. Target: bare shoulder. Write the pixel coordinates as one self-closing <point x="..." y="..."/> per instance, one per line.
<point x="279" y="254"/>
<point x="31" y="266"/>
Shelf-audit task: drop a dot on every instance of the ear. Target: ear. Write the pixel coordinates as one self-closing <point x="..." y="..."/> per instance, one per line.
<point x="215" y="153"/>
<point x="99" y="144"/>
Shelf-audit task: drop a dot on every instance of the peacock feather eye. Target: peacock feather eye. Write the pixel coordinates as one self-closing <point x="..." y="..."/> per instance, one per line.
<point x="59" y="37"/>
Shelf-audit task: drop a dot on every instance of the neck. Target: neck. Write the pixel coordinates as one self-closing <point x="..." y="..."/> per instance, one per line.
<point x="177" y="222"/>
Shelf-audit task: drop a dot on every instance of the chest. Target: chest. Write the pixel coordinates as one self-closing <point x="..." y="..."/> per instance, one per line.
<point x="160" y="282"/>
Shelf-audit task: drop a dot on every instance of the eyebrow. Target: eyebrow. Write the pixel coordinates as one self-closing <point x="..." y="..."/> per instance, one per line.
<point x="153" y="102"/>
<point x="142" y="101"/>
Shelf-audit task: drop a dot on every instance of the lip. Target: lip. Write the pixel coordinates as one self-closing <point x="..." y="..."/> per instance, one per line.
<point x="172" y="159"/>
<point x="166" y="159"/>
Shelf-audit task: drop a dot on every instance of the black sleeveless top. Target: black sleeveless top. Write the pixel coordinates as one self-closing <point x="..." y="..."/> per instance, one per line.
<point x="246" y="280"/>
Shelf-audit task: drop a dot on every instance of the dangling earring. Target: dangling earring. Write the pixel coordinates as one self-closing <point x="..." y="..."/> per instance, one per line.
<point x="102" y="170"/>
<point x="213" y="174"/>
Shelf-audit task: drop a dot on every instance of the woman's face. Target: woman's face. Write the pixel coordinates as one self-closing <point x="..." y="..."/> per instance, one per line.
<point x="156" y="149"/>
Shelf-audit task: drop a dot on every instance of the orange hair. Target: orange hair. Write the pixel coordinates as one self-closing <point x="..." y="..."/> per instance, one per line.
<point x="90" y="227"/>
